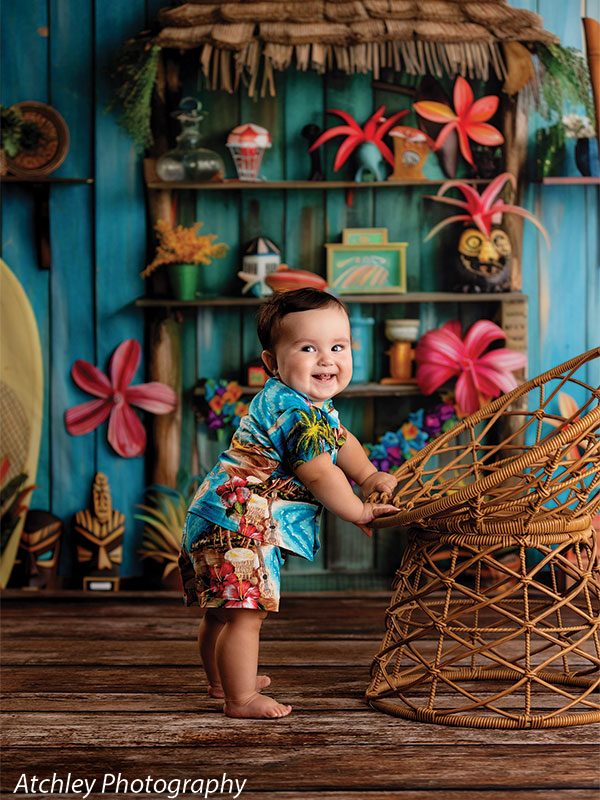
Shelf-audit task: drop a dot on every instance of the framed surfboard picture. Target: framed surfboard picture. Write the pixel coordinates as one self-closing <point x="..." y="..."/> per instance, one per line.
<point x="367" y="269"/>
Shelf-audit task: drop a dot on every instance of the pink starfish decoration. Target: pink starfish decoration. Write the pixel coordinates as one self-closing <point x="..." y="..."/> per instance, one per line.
<point x="126" y="433"/>
<point x="468" y="118"/>
<point x="442" y="354"/>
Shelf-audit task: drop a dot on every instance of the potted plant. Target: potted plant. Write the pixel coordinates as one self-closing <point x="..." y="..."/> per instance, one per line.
<point x="185" y="253"/>
<point x="163" y="517"/>
<point x="17" y="133"/>
<point x="565" y="79"/>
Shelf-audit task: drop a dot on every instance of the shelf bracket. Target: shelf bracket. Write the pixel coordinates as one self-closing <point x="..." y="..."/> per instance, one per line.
<point x="41" y="223"/>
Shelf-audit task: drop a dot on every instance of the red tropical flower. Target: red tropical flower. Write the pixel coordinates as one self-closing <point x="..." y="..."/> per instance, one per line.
<point x="442" y="354"/>
<point x="467" y="118"/>
<point x="233" y="491"/>
<point x="126" y="433"/>
<point x="373" y="131"/>
<point x="218" y="578"/>
<point x="246" y="528"/>
<point x="241" y="594"/>
<point x="482" y="210"/>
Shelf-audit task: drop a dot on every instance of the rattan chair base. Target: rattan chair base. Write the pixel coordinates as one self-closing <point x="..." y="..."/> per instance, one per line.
<point x="451" y="638"/>
<point x="495" y="722"/>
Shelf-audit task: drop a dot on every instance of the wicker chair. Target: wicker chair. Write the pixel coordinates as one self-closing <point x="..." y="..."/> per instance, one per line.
<point x="520" y="649"/>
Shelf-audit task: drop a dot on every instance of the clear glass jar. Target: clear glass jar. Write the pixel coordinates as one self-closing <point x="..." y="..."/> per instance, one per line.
<point x="188" y="161"/>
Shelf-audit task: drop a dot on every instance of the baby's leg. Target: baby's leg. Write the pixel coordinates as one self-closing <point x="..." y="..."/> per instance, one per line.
<point x="237" y="661"/>
<point x="208" y="633"/>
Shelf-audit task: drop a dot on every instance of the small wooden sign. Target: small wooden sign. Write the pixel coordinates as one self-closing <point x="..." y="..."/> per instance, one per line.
<point x="369" y="269"/>
<point x="364" y="236"/>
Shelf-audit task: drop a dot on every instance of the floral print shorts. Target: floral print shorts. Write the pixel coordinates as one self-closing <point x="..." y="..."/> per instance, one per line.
<point x="225" y="569"/>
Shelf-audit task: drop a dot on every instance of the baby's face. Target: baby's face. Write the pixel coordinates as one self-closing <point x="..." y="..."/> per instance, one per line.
<point x="313" y="354"/>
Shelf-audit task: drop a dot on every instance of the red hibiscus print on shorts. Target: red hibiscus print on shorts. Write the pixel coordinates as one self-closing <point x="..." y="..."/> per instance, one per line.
<point x="241" y="594"/>
<point x="219" y="577"/>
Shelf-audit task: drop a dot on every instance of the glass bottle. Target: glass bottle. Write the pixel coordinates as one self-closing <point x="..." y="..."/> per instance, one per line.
<point x="188" y="161"/>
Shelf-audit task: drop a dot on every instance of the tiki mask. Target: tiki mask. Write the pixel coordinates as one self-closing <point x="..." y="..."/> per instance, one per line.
<point x="99" y="534"/>
<point x="39" y="548"/>
<point x="484" y="263"/>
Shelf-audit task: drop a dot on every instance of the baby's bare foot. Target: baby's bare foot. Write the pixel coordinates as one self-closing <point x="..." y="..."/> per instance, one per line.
<point x="262" y="681"/>
<point x="258" y="706"/>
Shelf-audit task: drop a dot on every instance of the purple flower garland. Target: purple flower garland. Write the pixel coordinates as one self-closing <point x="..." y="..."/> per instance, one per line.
<point x="396" y="447"/>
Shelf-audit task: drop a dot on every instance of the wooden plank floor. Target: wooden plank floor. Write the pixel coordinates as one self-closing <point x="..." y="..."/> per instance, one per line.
<point x="97" y="686"/>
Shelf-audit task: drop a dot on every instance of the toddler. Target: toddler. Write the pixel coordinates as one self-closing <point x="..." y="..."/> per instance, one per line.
<point x="289" y="457"/>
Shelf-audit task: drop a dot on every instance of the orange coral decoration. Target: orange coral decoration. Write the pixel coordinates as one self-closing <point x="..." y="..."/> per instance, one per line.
<point x="183" y="246"/>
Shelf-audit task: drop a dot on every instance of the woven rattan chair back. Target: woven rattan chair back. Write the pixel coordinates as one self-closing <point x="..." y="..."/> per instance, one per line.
<point x="494" y="621"/>
<point x="543" y="472"/>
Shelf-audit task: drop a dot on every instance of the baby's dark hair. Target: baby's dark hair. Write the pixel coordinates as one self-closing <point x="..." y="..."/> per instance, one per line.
<point x="271" y="313"/>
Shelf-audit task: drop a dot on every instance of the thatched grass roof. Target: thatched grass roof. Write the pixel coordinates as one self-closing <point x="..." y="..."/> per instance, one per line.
<point x="414" y="36"/>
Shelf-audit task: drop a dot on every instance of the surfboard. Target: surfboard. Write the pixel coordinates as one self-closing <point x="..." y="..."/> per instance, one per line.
<point x="21" y="396"/>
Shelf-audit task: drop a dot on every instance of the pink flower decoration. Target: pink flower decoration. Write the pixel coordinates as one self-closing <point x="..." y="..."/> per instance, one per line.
<point x="126" y="433"/>
<point x="233" y="491"/>
<point x="483" y="209"/>
<point x="442" y="354"/>
<point x="467" y="118"/>
<point x="241" y="594"/>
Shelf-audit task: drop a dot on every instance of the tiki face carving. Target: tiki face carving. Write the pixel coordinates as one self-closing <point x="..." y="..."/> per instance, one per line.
<point x="99" y="535"/>
<point x="37" y="557"/>
<point x="484" y="264"/>
<point x="101" y="499"/>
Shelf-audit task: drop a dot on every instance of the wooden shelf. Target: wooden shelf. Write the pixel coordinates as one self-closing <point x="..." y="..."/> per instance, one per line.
<point x="39" y="186"/>
<point x="354" y="390"/>
<point x="229" y="184"/>
<point x="409" y="297"/>
<point x="574" y="180"/>
<point x="233" y="184"/>
<point x="44" y="179"/>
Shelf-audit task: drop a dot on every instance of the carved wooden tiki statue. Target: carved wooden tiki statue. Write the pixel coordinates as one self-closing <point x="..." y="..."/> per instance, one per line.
<point x="36" y="563"/>
<point x="99" y="538"/>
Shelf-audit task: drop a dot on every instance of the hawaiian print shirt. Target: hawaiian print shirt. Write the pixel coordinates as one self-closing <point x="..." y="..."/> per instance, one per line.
<point x="253" y="490"/>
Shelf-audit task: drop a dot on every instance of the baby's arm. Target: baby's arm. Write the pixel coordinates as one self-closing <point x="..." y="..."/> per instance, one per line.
<point x="328" y="483"/>
<point x="353" y="460"/>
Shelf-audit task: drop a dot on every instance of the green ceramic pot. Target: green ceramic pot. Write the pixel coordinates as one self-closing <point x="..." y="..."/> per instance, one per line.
<point x="185" y="280"/>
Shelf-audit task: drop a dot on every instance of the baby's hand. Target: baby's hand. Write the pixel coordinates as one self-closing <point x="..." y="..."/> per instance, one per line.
<point x="378" y="482"/>
<point x="370" y="511"/>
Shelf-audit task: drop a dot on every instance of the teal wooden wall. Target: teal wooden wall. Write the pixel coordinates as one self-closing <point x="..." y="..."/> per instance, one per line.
<point x="84" y="305"/>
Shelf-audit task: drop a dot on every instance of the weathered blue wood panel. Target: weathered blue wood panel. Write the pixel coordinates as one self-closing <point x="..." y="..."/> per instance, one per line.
<point x="72" y="273"/>
<point x="119" y="253"/>
<point x="71" y="84"/>
<point x="24" y="30"/>
<point x="72" y="337"/>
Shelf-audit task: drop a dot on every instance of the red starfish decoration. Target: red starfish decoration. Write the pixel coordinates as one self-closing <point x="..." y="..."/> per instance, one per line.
<point x="373" y="131"/>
